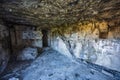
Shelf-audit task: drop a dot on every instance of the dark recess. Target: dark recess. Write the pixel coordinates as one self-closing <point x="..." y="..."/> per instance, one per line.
<point x="45" y="38"/>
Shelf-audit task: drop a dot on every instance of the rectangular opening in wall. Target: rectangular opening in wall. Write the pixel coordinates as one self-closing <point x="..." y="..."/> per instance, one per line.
<point x="45" y="38"/>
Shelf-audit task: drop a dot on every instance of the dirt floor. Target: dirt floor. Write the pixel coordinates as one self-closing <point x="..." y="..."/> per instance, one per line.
<point x="51" y="65"/>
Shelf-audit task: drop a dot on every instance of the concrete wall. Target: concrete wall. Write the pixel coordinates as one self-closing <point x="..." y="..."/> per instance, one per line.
<point x="96" y="43"/>
<point x="4" y="47"/>
<point x="25" y="36"/>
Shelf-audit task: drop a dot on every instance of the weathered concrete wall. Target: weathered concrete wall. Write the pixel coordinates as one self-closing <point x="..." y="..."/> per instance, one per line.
<point x="25" y="36"/>
<point x="4" y="47"/>
<point x="93" y="42"/>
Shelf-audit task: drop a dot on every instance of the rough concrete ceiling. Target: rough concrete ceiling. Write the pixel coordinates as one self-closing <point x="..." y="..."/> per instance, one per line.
<point x="58" y="12"/>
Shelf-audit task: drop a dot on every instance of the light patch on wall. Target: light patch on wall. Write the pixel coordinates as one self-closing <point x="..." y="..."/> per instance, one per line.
<point x="59" y="45"/>
<point x="31" y="35"/>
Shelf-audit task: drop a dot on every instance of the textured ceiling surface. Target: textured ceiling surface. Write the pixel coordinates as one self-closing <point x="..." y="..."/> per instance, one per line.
<point x="58" y="12"/>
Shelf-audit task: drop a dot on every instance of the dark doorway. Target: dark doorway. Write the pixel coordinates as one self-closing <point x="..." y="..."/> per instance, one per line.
<point x="45" y="38"/>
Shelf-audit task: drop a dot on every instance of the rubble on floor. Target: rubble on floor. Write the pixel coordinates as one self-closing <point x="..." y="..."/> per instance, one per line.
<point x="28" y="54"/>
